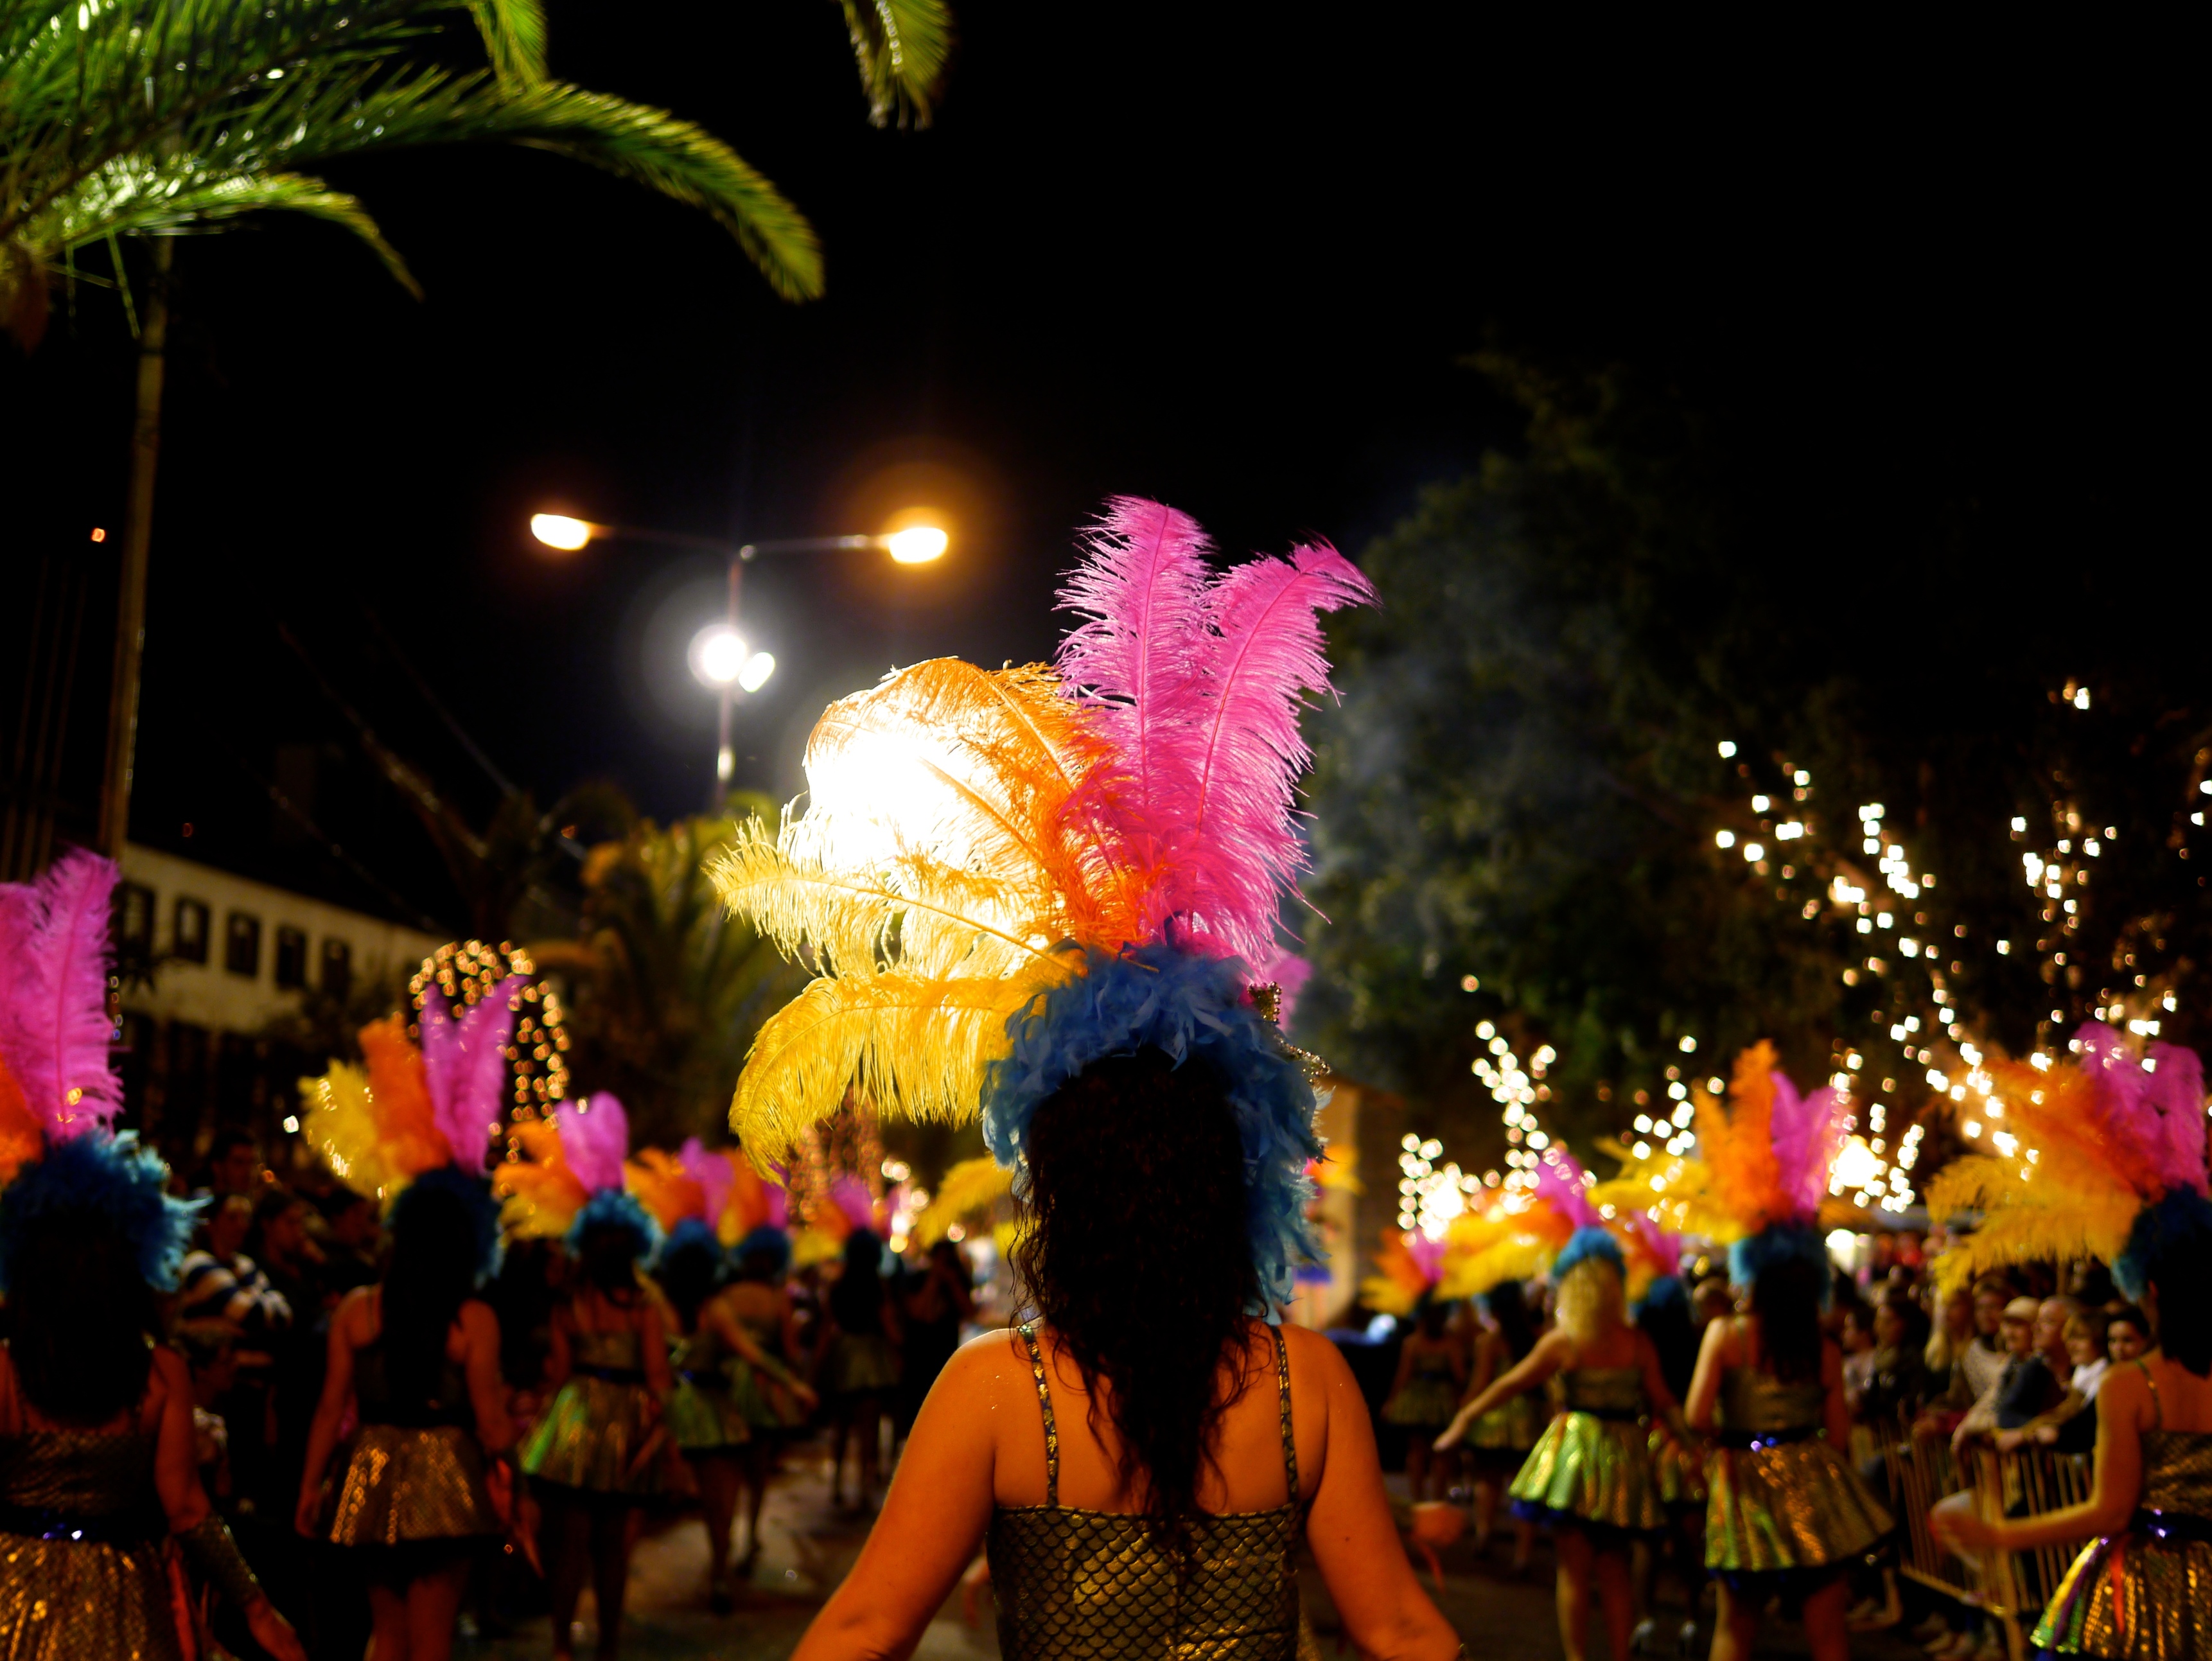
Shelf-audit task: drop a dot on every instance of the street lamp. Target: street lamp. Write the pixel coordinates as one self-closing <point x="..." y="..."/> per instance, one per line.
<point x="719" y="655"/>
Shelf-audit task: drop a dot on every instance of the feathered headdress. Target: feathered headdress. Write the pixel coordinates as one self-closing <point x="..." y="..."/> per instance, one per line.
<point x="1003" y="876"/>
<point x="1514" y="1238"/>
<point x="1411" y="1266"/>
<point x="58" y="1090"/>
<point x="969" y="1189"/>
<point x="1767" y="1159"/>
<point x="556" y="1166"/>
<point x="2112" y="1164"/>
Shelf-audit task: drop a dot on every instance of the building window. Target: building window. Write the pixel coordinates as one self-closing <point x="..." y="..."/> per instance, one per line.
<point x="134" y="918"/>
<point x="191" y="941"/>
<point x="242" y="946"/>
<point x="338" y="969"/>
<point x="291" y="959"/>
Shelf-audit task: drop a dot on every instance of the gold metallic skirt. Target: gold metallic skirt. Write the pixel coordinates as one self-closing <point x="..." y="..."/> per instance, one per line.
<point x="704" y="1418"/>
<point x="403" y="1484"/>
<point x="1794" y="1505"/>
<point x="1426" y="1402"/>
<point x="1681" y="1472"/>
<point x="2134" y="1596"/>
<point x="66" y="1600"/>
<point x="1589" y="1472"/>
<point x="595" y="1436"/>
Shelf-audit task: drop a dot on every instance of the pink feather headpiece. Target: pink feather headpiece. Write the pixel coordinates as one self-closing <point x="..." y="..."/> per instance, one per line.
<point x="465" y="1063"/>
<point x="56" y="1079"/>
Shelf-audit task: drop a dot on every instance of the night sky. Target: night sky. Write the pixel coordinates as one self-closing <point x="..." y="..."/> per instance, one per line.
<point x="1233" y="257"/>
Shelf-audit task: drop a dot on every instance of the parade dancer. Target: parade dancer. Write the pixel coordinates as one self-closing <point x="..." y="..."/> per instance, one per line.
<point x="598" y="1451"/>
<point x="1432" y="1372"/>
<point x="1049" y="893"/>
<point x="1590" y="1475"/>
<point x="2119" y="1173"/>
<point x="1786" y="1517"/>
<point x="764" y="1380"/>
<point x="100" y="1492"/>
<point x="1499" y="1442"/>
<point x="414" y="1360"/>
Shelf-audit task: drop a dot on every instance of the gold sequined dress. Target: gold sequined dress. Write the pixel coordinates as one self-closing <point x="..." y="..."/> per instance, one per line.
<point x="1784" y="1512"/>
<point x="1095" y="1585"/>
<point x="84" y="1562"/>
<point x="1591" y="1469"/>
<point x="1502" y="1438"/>
<point x="595" y="1433"/>
<point x="413" y="1481"/>
<point x="2145" y="1594"/>
<point x="1430" y="1396"/>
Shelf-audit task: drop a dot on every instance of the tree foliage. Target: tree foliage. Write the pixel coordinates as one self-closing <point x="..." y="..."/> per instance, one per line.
<point x="664" y="988"/>
<point x="1518" y="798"/>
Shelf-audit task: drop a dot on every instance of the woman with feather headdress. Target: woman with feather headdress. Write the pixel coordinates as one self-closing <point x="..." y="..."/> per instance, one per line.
<point x="1589" y="1475"/>
<point x="1047" y="895"/>
<point x="688" y="1192"/>
<point x="599" y="1450"/>
<point x="1785" y="1514"/>
<point x="2119" y="1172"/>
<point x="99" y="1490"/>
<point x="414" y="1357"/>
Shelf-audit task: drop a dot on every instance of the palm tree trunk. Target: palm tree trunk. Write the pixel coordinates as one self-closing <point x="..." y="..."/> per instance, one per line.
<point x="137" y="538"/>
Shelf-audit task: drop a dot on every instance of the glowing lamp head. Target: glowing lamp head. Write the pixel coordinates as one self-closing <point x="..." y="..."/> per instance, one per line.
<point x="917" y="544"/>
<point x="758" y="667"/>
<point x="718" y="657"/>
<point x="559" y="531"/>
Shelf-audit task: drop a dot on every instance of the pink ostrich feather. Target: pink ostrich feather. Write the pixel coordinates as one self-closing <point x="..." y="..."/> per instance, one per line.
<point x="1198" y="684"/>
<point x="464" y="1062"/>
<point x="54" y="1024"/>
<point x="1665" y="1250"/>
<point x="2159" y="1107"/>
<point x="851" y="1196"/>
<point x="713" y="1173"/>
<point x="1141" y="586"/>
<point x="1237" y="838"/>
<point x="594" y="1139"/>
<point x="1560" y="1181"/>
<point x="1807" y="1133"/>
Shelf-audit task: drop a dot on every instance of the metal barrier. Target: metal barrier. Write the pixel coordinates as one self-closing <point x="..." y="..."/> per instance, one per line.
<point x="2011" y="1587"/>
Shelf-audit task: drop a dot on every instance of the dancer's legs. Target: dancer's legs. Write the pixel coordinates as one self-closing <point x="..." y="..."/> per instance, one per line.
<point x="1617" y="1599"/>
<point x="565" y="1543"/>
<point x="610" y="1552"/>
<point x="1735" y="1629"/>
<point x="387" y="1613"/>
<point x="1828" y="1633"/>
<point x="720" y="1479"/>
<point x="434" y="1606"/>
<point x="1573" y="1547"/>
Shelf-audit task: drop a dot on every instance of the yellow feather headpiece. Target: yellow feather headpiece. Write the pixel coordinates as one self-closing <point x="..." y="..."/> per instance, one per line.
<point x="373" y="1124"/>
<point x="2094" y="1143"/>
<point x="970" y="1189"/>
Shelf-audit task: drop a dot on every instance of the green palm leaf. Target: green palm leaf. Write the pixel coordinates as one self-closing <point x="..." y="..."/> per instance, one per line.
<point x="902" y="45"/>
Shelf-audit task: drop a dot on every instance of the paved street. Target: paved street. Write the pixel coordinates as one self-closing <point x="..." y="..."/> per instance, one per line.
<point x="808" y="1547"/>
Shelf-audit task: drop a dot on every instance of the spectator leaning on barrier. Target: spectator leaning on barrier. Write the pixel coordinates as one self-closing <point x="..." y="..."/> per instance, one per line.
<point x="2025" y="1386"/>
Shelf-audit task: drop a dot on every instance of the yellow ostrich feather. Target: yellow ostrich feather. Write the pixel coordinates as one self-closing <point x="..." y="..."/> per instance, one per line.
<point x="970" y="1187"/>
<point x="906" y="1044"/>
<point x="1677" y="1188"/>
<point x="1400" y="1284"/>
<point x="1737" y="1144"/>
<point x="372" y="1124"/>
<point x="543" y="1194"/>
<point x="811" y="1246"/>
<point x="935" y="878"/>
<point x="1481" y="1250"/>
<point x="663" y="1187"/>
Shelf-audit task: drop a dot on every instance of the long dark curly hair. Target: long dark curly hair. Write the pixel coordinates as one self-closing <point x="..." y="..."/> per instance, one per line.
<point x="1137" y="1254"/>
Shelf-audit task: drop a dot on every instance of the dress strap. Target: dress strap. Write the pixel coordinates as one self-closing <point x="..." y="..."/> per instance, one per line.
<point x="1028" y="1330"/>
<point x="1283" y="1390"/>
<point x="2157" y="1406"/>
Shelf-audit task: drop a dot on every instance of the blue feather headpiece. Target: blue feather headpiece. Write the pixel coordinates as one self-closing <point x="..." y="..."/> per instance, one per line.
<point x="1584" y="1244"/>
<point x="614" y="1208"/>
<point x="110" y="1178"/>
<point x="2177" y="1227"/>
<point x="1780" y="1243"/>
<point x="691" y="1234"/>
<point x="1190" y="1008"/>
<point x="767" y="1240"/>
<point x="449" y="1184"/>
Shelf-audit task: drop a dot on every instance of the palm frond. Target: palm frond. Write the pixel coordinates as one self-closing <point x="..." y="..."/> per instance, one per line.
<point x="901" y="46"/>
<point x="514" y="33"/>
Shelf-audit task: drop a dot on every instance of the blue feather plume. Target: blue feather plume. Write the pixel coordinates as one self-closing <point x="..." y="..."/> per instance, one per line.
<point x="1584" y="1244"/>
<point x="617" y="1209"/>
<point x="1190" y="1008"/>
<point x="108" y="1176"/>
<point x="449" y="1182"/>
<point x="768" y="1239"/>
<point x="2178" y="1226"/>
<point x="1779" y="1243"/>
